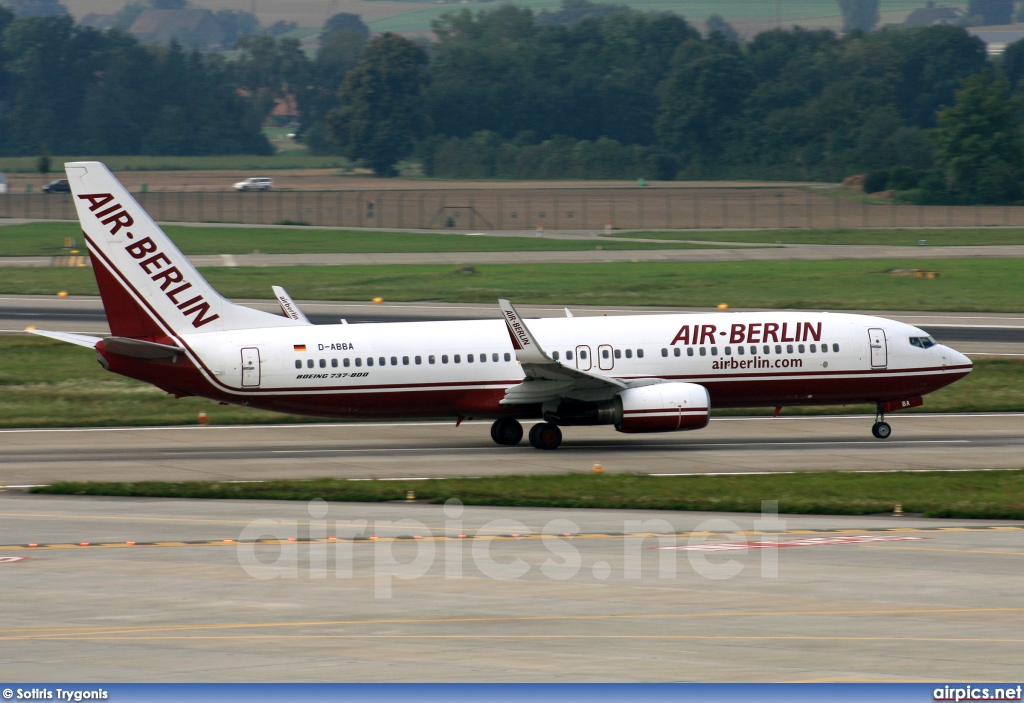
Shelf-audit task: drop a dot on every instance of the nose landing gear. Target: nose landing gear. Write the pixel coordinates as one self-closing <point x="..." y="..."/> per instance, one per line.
<point x="881" y="429"/>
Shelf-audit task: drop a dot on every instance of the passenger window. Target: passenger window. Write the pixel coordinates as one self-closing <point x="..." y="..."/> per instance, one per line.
<point x="444" y="358"/>
<point x="639" y="353"/>
<point x="323" y="363"/>
<point x="469" y="358"/>
<point x="345" y="363"/>
<point x="739" y="350"/>
<point x="835" y="347"/>
<point x="604" y="353"/>
<point x="369" y="361"/>
<point x="359" y="362"/>
<point x="483" y="358"/>
<point x="405" y="361"/>
<point x="664" y="351"/>
<point x="800" y="348"/>
<point x="394" y="361"/>
<point x="298" y="363"/>
<point x="458" y="359"/>
<point x="676" y="352"/>
<point x="554" y="355"/>
<point x="494" y="357"/>
<point x="824" y="348"/>
<point x="383" y="361"/>
<point x="568" y="355"/>
<point x="714" y="351"/>
<point x="728" y="351"/>
<point x="418" y="360"/>
<point x="430" y="359"/>
<point x="508" y="356"/>
<point x="753" y="351"/>
<point x="618" y="353"/>
<point x="778" y="348"/>
<point x="767" y="349"/>
<point x="789" y="348"/>
<point x="629" y="353"/>
<point x="334" y="363"/>
<point x="703" y="351"/>
<point x="583" y="354"/>
<point x="309" y="363"/>
<point x="814" y="348"/>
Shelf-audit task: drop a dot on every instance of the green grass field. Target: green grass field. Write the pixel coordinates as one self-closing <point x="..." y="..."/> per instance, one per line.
<point x="239" y="162"/>
<point x="45" y="383"/>
<point x="966" y="285"/>
<point x="47" y="238"/>
<point x="865" y="237"/>
<point x="994" y="495"/>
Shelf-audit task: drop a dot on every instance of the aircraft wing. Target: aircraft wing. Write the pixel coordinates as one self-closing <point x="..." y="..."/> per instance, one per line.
<point x="547" y="379"/>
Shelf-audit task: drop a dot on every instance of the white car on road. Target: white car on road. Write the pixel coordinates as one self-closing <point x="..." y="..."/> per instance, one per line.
<point x="256" y="183"/>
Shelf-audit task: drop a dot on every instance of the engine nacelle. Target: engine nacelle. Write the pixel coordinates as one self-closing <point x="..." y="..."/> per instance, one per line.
<point x="664" y="407"/>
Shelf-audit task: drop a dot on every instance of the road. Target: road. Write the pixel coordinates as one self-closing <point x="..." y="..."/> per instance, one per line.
<point x="176" y="590"/>
<point x="437" y="450"/>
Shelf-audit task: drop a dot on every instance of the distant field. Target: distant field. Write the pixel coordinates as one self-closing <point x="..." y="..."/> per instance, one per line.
<point x="45" y="383"/>
<point x="286" y="160"/>
<point x="967" y="285"/>
<point x="698" y="10"/>
<point x="873" y="237"/>
<point x="47" y="238"/>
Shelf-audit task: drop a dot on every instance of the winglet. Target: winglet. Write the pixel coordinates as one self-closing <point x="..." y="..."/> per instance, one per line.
<point x="288" y="306"/>
<point x="523" y="341"/>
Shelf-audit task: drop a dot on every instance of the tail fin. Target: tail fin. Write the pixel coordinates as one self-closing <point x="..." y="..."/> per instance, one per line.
<point x="149" y="288"/>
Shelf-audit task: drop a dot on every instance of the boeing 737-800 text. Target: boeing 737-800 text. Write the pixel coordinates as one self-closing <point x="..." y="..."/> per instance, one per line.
<point x="650" y="373"/>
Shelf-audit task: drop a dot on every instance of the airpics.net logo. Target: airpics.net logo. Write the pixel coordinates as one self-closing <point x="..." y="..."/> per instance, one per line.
<point x="968" y="692"/>
<point x="391" y="551"/>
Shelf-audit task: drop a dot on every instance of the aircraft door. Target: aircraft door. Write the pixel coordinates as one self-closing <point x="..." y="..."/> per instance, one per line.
<point x="879" y="353"/>
<point x="583" y="360"/>
<point x="250" y="367"/>
<point x="605" y="357"/>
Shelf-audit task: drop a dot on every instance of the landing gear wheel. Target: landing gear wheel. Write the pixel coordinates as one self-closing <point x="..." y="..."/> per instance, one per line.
<point x="545" y="436"/>
<point x="506" y="431"/>
<point x="881" y="430"/>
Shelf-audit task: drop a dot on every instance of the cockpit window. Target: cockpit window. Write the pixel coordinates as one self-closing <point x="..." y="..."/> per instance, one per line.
<point x="922" y="342"/>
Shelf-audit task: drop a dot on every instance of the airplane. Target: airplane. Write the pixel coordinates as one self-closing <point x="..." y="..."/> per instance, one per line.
<point x="639" y="374"/>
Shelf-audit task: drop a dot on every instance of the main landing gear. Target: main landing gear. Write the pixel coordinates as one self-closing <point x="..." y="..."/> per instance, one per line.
<point x="881" y="428"/>
<point x="545" y="436"/>
<point x="509" y="432"/>
<point x="506" y="431"/>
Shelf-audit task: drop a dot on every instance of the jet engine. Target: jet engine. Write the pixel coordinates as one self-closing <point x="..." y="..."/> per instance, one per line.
<point x="664" y="407"/>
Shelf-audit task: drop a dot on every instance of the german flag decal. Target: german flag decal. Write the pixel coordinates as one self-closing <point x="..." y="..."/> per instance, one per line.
<point x="300" y="347"/>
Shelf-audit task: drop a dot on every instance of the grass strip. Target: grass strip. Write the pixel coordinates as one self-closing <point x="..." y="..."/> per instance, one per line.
<point x="967" y="285"/>
<point x="987" y="236"/>
<point x="47" y="239"/>
<point x="46" y="383"/>
<point x="963" y="494"/>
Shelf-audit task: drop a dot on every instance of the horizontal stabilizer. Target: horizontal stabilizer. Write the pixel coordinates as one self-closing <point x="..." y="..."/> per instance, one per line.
<point x="81" y="340"/>
<point x="139" y="349"/>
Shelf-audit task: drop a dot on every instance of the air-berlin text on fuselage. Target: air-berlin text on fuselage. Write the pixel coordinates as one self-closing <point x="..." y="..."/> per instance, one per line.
<point x="752" y="333"/>
<point x="150" y="260"/>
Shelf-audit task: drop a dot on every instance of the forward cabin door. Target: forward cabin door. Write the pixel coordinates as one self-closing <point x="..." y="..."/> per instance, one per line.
<point x="250" y="367"/>
<point x="879" y="354"/>
<point x="605" y="357"/>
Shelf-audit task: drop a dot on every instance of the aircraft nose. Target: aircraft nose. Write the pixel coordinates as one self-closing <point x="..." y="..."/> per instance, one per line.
<point x="958" y="359"/>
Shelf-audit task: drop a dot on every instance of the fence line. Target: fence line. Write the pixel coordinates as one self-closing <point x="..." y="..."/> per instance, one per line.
<point x="555" y="208"/>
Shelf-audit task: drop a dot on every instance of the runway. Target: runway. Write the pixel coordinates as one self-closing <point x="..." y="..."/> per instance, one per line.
<point x="438" y="450"/>
<point x="996" y="333"/>
<point x="828" y="599"/>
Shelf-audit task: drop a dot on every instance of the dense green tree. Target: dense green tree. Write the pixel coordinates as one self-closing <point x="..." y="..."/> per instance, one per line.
<point x="980" y="143"/>
<point x="859" y="14"/>
<point x="1011" y="63"/>
<point x="236" y="24"/>
<point x="716" y="24"/>
<point x="343" y="22"/>
<point x="572" y="11"/>
<point x="382" y="111"/>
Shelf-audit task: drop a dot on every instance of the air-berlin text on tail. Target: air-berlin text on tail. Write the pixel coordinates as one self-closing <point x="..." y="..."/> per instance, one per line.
<point x="153" y="263"/>
<point x="753" y="333"/>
